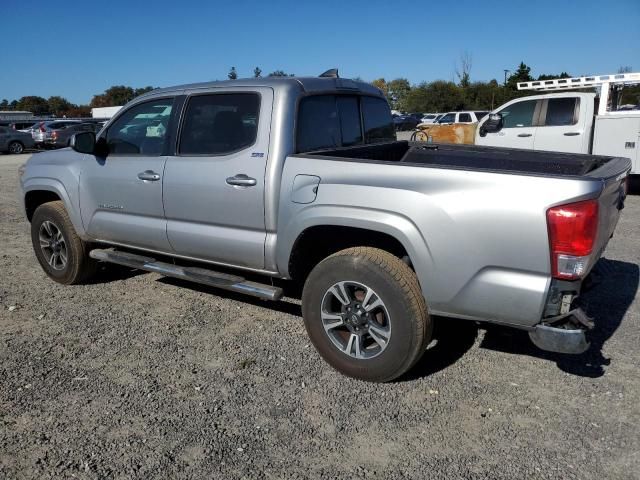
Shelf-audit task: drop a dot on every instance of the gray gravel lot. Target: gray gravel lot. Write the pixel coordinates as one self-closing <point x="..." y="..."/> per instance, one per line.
<point x="136" y="376"/>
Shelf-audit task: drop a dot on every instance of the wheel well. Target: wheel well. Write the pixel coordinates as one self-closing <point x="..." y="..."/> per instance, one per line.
<point x="317" y="243"/>
<point x="36" y="198"/>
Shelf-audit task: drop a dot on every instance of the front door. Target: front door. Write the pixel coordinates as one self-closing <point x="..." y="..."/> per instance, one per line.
<point x="214" y="185"/>
<point x="518" y="126"/>
<point x="121" y="193"/>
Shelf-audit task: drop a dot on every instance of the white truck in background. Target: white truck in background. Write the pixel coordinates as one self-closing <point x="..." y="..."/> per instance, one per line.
<point x="574" y="122"/>
<point x="104" y="112"/>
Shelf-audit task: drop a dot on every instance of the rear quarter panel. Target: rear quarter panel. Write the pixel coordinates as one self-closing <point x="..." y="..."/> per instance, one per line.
<point x="478" y="240"/>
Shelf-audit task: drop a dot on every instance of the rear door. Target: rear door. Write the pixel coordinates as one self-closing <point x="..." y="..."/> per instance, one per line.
<point x="519" y="119"/>
<point x="121" y="193"/>
<point x="214" y="184"/>
<point x="562" y="126"/>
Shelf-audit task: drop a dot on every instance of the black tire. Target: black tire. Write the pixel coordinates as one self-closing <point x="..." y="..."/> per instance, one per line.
<point x="78" y="267"/>
<point x="396" y="285"/>
<point x="16" y="148"/>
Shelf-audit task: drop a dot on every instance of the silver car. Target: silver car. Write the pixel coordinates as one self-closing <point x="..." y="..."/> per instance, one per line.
<point x="43" y="131"/>
<point x="14" y="141"/>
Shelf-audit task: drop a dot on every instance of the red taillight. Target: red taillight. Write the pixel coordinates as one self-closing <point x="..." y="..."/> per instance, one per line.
<point x="572" y="234"/>
<point x="54" y="134"/>
<point x="42" y="129"/>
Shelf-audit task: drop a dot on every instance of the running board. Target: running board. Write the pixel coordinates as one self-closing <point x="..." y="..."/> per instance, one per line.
<point x="192" y="274"/>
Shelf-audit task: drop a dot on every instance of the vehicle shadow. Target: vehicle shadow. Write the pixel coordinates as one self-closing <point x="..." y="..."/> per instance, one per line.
<point x="606" y="301"/>
<point x="111" y="272"/>
<point x="283" y="305"/>
<point x="452" y="338"/>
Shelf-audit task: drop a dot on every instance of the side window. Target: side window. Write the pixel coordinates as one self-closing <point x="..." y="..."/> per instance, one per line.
<point x="220" y="124"/>
<point x="318" y="123"/>
<point x="480" y="115"/>
<point x="561" y="111"/>
<point x="448" y="118"/>
<point x="378" y="123"/>
<point x="141" y="130"/>
<point x="519" y="114"/>
<point x="349" y="120"/>
<point x="464" y="118"/>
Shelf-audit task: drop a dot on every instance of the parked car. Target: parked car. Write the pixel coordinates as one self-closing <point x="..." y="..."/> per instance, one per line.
<point x="43" y="130"/>
<point x="462" y="117"/>
<point x="14" y="141"/>
<point x="318" y="191"/>
<point x="408" y="121"/>
<point x="22" y="125"/>
<point x="60" y="137"/>
<point x="429" y="117"/>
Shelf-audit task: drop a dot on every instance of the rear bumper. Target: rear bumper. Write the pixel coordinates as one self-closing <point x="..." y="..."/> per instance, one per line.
<point x="566" y="334"/>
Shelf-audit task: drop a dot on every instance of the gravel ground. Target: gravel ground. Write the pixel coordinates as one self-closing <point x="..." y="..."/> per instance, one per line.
<point x="137" y="376"/>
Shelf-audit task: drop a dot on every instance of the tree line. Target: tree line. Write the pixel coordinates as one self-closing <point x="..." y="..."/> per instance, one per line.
<point x="435" y="96"/>
<point x="443" y="95"/>
<point x="61" y="107"/>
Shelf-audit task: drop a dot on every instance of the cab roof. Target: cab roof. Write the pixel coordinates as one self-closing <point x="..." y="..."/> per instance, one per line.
<point x="300" y="84"/>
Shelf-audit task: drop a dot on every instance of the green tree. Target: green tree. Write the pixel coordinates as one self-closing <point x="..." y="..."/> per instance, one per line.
<point x="232" y="74"/>
<point x="58" y="105"/>
<point x="4" y="104"/>
<point x="280" y="73"/>
<point x="397" y="91"/>
<point x="117" y="95"/>
<point x="522" y="74"/>
<point x="34" y="104"/>
<point x="381" y="83"/>
<point x="544" y="76"/>
<point x="257" y="73"/>
<point x="140" y="91"/>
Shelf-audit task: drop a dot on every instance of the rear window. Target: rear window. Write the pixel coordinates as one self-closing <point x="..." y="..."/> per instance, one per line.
<point x="378" y="124"/>
<point x="480" y="115"/>
<point x="332" y="121"/>
<point x="561" y="111"/>
<point x="464" y="117"/>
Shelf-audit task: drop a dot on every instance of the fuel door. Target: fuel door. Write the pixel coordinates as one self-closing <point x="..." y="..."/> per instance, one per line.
<point x="305" y="188"/>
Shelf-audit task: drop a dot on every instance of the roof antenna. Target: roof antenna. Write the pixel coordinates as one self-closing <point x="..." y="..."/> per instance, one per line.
<point x="331" y="73"/>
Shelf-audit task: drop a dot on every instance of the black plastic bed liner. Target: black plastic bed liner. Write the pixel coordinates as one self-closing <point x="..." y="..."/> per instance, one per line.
<point x="473" y="157"/>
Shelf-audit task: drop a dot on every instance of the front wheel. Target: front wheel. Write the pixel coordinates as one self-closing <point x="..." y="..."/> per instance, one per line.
<point x="62" y="254"/>
<point x="16" y="148"/>
<point x="365" y="314"/>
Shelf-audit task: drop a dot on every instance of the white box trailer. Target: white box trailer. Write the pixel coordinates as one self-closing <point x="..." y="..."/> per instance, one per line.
<point x="104" y="112"/>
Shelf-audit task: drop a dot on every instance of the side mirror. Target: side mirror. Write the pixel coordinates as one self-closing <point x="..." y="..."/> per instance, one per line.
<point x="492" y="124"/>
<point x="83" y="142"/>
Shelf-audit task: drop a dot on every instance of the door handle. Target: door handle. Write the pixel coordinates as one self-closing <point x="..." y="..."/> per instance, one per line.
<point x="571" y="134"/>
<point x="241" y="180"/>
<point x="149" y="175"/>
<point x="524" y="134"/>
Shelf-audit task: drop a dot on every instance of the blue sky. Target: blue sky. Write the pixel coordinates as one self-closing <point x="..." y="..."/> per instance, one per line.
<point x="77" y="48"/>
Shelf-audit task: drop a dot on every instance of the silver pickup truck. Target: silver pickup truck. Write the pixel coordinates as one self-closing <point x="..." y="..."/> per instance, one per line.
<point x="303" y="179"/>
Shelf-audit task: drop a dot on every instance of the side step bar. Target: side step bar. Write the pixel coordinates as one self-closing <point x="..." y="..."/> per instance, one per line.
<point x="192" y="274"/>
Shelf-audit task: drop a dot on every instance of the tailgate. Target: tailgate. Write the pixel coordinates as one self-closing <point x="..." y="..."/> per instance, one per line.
<point x="614" y="175"/>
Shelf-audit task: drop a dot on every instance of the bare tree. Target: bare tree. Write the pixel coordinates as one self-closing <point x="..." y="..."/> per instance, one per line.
<point x="463" y="71"/>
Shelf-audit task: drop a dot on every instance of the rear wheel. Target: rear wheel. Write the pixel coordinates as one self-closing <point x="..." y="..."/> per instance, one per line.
<point x="16" y="148"/>
<point x="62" y="254"/>
<point x="365" y="314"/>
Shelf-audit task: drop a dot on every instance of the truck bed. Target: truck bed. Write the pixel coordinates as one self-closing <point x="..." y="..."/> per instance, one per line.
<point x="471" y="157"/>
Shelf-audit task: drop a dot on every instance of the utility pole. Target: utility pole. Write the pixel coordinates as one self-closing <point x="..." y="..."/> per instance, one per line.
<point x="505" y="76"/>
